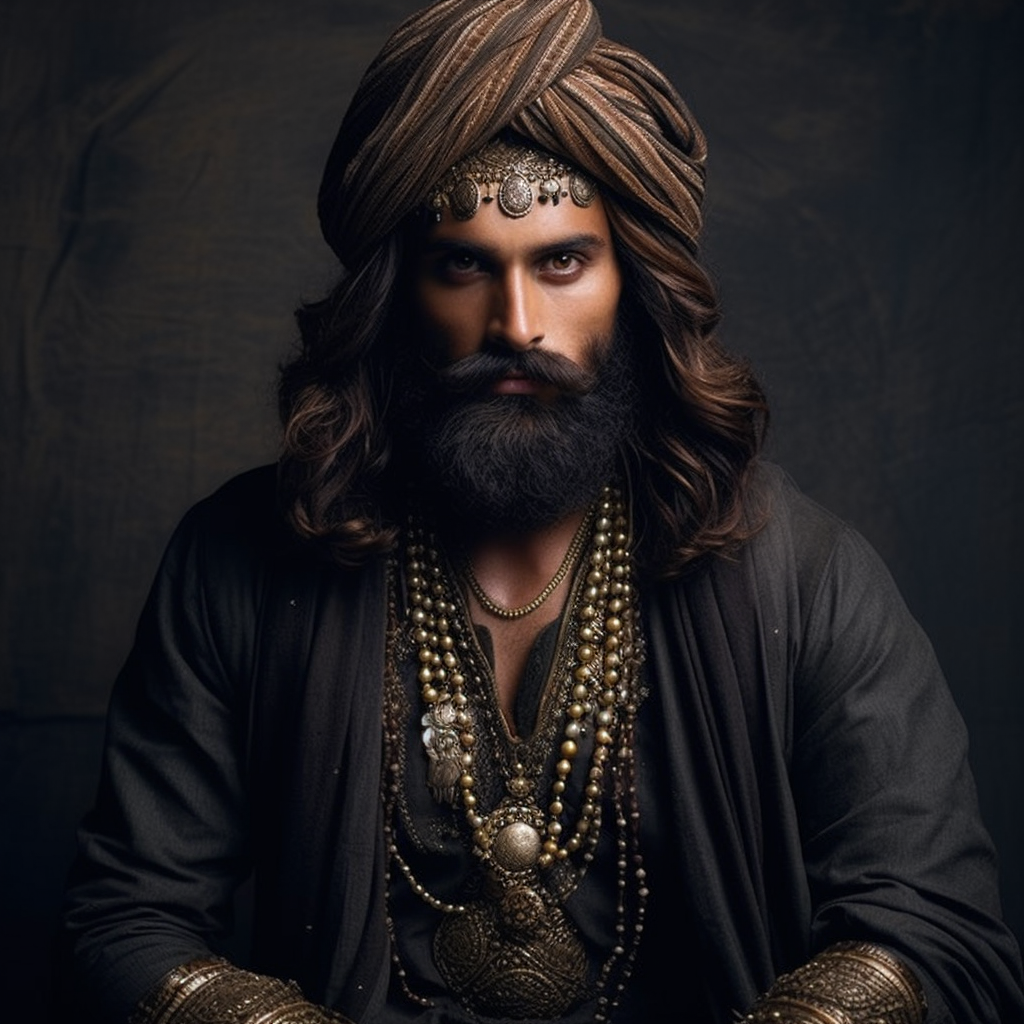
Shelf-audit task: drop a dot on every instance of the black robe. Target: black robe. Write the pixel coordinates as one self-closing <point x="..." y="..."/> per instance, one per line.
<point x="803" y="771"/>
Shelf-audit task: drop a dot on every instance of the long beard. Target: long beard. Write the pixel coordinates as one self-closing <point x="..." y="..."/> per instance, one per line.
<point x="513" y="463"/>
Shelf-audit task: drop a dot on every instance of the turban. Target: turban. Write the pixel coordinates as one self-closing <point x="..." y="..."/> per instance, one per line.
<point x="458" y="72"/>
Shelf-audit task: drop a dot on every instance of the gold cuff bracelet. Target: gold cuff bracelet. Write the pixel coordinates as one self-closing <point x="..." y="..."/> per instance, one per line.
<point x="212" y="990"/>
<point x="849" y="983"/>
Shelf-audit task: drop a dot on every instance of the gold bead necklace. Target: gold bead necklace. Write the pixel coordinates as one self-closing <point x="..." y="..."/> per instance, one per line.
<point x="500" y="611"/>
<point x="516" y="841"/>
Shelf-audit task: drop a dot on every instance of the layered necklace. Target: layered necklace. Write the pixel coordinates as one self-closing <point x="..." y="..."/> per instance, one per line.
<point x="511" y="949"/>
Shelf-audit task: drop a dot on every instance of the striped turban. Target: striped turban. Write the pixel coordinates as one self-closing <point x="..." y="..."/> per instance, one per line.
<point x="458" y="72"/>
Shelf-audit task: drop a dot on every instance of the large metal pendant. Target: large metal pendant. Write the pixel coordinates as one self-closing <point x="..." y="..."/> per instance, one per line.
<point x="515" y="956"/>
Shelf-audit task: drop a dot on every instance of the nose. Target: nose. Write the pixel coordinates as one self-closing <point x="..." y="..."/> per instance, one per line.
<point x="516" y="311"/>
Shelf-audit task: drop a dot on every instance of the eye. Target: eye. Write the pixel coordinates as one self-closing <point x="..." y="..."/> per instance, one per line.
<point x="563" y="264"/>
<point x="458" y="265"/>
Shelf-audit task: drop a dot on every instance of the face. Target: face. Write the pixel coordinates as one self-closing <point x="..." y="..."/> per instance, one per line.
<point x="520" y="418"/>
<point x="548" y="282"/>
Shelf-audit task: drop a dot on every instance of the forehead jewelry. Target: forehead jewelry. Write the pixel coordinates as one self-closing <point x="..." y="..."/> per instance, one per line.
<point x="511" y="174"/>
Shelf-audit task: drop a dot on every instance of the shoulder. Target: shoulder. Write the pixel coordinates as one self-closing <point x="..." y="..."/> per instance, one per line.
<point x="236" y="547"/>
<point x="795" y="543"/>
<point x="822" y="550"/>
<point x="793" y="523"/>
<point x="807" y="543"/>
<point x="803" y="561"/>
<point x="240" y="522"/>
<point x="227" y="545"/>
<point x="246" y="503"/>
<point x="843" y="612"/>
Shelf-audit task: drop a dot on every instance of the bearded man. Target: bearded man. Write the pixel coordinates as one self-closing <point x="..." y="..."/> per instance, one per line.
<point x="524" y="690"/>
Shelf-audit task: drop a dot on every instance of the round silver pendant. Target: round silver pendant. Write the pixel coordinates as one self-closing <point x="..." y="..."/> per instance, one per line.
<point x="516" y="847"/>
<point x="464" y="199"/>
<point x="515" y="197"/>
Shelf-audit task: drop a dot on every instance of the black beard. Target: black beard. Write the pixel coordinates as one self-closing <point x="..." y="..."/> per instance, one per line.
<point x="513" y="463"/>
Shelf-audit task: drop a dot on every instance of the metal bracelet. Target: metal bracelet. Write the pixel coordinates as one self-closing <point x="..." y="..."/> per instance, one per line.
<point x="213" y="991"/>
<point x="849" y="983"/>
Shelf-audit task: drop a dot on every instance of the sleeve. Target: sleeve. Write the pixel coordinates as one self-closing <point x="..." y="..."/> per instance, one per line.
<point x="165" y="846"/>
<point x="894" y="847"/>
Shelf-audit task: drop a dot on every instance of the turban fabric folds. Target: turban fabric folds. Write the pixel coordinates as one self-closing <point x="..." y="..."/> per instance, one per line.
<point x="455" y="74"/>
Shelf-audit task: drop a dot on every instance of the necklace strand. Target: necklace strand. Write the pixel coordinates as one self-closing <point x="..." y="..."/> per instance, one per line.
<point x="602" y="695"/>
<point x="597" y="677"/>
<point x="500" y="611"/>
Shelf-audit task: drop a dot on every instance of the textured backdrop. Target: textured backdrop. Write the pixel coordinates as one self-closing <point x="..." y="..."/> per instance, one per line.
<point x="158" y="169"/>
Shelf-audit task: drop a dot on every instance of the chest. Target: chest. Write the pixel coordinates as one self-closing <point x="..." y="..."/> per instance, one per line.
<point x="518" y="659"/>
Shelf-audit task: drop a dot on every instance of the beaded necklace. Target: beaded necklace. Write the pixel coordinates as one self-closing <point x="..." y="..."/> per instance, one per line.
<point x="500" y="611"/>
<point x="512" y="950"/>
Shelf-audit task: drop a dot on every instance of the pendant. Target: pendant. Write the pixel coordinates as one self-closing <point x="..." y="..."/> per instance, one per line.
<point x="514" y="957"/>
<point x="514" y="953"/>
<point x="444" y="751"/>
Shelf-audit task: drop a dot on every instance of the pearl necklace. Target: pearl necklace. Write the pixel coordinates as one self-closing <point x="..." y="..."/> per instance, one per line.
<point x="516" y="841"/>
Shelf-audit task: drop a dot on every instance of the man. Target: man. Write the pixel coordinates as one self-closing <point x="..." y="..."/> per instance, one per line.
<point x="540" y="698"/>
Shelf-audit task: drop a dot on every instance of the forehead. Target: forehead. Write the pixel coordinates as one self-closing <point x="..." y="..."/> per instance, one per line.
<point x="546" y="226"/>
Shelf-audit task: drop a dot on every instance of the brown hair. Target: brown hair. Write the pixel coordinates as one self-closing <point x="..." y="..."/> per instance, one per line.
<point x="703" y="421"/>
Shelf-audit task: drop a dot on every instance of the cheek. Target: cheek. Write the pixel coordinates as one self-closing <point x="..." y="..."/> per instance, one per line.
<point x="601" y="322"/>
<point x="446" y="324"/>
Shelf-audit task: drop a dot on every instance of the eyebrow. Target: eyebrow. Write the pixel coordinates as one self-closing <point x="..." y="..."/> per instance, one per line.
<point x="584" y="241"/>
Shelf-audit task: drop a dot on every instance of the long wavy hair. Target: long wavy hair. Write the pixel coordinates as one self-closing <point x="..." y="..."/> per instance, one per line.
<point x="688" y="463"/>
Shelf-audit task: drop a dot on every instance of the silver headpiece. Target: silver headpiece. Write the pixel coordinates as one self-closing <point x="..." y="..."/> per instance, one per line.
<point x="513" y="174"/>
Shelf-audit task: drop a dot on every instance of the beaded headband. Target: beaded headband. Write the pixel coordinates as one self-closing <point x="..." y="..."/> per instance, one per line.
<point x="513" y="174"/>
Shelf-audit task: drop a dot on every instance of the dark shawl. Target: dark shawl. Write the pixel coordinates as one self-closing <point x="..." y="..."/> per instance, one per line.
<point x="803" y="766"/>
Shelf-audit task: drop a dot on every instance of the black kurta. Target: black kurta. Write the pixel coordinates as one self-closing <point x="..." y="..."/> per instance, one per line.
<point x="803" y="772"/>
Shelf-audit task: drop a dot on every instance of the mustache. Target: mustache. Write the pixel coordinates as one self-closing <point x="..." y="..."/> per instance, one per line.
<point x="483" y="369"/>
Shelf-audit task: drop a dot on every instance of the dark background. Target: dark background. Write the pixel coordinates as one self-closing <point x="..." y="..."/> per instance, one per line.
<point x="158" y="170"/>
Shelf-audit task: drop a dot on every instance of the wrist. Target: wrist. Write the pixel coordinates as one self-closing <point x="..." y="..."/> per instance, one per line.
<point x="213" y="991"/>
<point x="848" y="983"/>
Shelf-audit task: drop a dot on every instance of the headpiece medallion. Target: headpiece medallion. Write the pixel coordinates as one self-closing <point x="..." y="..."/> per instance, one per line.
<point x="513" y="174"/>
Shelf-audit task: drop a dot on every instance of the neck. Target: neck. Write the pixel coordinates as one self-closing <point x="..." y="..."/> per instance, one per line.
<point x="513" y="568"/>
<point x="530" y="575"/>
